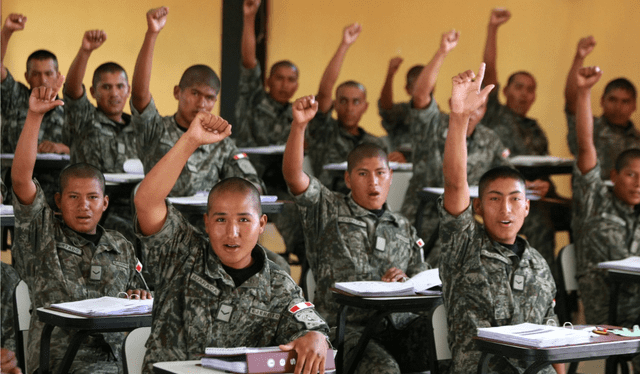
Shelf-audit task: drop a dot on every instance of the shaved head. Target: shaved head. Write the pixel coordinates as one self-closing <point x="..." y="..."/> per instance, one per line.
<point x="200" y="74"/>
<point x="238" y="185"/>
<point x="81" y="170"/>
<point x="365" y="150"/>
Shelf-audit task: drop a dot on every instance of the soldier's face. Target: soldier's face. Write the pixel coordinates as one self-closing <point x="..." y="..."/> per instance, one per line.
<point x="626" y="182"/>
<point x="350" y="105"/>
<point x="618" y="105"/>
<point x="111" y="93"/>
<point x="503" y="208"/>
<point x="283" y="84"/>
<point x="521" y="94"/>
<point x="82" y="203"/>
<point x="369" y="182"/>
<point x="41" y="73"/>
<point x="194" y="99"/>
<point x="233" y="225"/>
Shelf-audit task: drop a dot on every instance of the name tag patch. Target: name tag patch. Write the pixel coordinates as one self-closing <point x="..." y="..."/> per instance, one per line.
<point x="121" y="264"/>
<point x="495" y="256"/>
<point x="204" y="284"/>
<point x="96" y="272"/>
<point x="403" y="239"/>
<point x="224" y="313"/>
<point x="352" y="221"/>
<point x="264" y="313"/>
<point x="70" y="248"/>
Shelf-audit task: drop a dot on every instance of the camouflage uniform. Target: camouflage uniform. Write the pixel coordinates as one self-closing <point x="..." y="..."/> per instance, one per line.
<point x="477" y="276"/>
<point x="197" y="304"/>
<point x="105" y="144"/>
<point x="604" y="229"/>
<point x="328" y="143"/>
<point x="397" y="122"/>
<point x="346" y="242"/>
<point x="610" y="140"/>
<point x="59" y="265"/>
<point x="429" y="128"/>
<point x="523" y="136"/>
<point x="10" y="280"/>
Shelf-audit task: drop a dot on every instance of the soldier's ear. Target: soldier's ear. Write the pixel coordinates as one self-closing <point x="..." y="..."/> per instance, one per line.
<point x="477" y="206"/>
<point x="347" y="179"/>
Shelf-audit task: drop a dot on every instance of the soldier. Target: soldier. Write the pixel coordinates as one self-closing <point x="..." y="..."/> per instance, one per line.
<point x="357" y="238"/>
<point x="490" y="276"/>
<point x="102" y="136"/>
<point x="331" y="140"/>
<point x="428" y="133"/>
<point x="69" y="260"/>
<point x="605" y="222"/>
<point x="613" y="132"/>
<point x="10" y="280"/>
<point x="520" y="134"/>
<point x="220" y="290"/>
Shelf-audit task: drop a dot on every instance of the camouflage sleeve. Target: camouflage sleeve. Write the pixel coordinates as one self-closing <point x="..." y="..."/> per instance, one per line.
<point x="12" y="92"/>
<point x="424" y="123"/>
<point x="321" y="127"/>
<point x="300" y="317"/>
<point x="10" y="280"/>
<point x="169" y="249"/>
<point x="391" y="118"/>
<point x="588" y="190"/>
<point x="456" y="234"/>
<point x="237" y="164"/>
<point x="147" y="126"/>
<point x="77" y="114"/>
<point x="492" y="115"/>
<point x="14" y="95"/>
<point x="571" y="134"/>
<point x="249" y="85"/>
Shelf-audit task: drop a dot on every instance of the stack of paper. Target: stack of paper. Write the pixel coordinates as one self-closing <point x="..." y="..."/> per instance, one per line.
<point x="628" y="264"/>
<point x="6" y="210"/>
<point x="419" y="284"/>
<point x="538" y="336"/>
<point x="106" y="306"/>
<point x="200" y="199"/>
<point x="536" y="160"/>
<point x="256" y="360"/>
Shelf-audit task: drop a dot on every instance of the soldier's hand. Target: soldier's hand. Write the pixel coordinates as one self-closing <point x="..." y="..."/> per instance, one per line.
<point x="141" y="294"/>
<point x="465" y="93"/>
<point x="394" y="64"/>
<point x="250" y="7"/>
<point x="499" y="16"/>
<point x="43" y="99"/>
<point x="48" y="146"/>
<point x="15" y="22"/>
<point x="351" y="33"/>
<point x="304" y="109"/>
<point x="588" y="76"/>
<point x="396" y="156"/>
<point x="394" y="275"/>
<point x="312" y="352"/>
<point x="449" y="40"/>
<point x="93" y="39"/>
<point x="157" y="18"/>
<point x="9" y="362"/>
<point x="207" y="128"/>
<point x="538" y="187"/>
<point x="585" y="46"/>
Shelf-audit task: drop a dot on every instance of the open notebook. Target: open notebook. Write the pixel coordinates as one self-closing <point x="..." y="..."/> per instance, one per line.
<point x="421" y="284"/>
<point x="106" y="306"/>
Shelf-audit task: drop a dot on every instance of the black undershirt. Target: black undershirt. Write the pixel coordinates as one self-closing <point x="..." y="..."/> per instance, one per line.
<point x="240" y="276"/>
<point x="377" y="212"/>
<point x="516" y="248"/>
<point x="93" y="238"/>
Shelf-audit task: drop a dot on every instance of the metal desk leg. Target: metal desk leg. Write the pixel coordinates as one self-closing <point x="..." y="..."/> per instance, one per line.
<point x="614" y="290"/>
<point x="72" y="349"/>
<point x="483" y="364"/>
<point x="342" y="318"/>
<point x="45" y="344"/>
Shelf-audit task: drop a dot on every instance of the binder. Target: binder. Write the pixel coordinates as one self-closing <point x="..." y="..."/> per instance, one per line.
<point x="256" y="360"/>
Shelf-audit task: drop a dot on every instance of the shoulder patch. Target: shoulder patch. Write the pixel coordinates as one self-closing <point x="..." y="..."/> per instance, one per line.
<point x="121" y="264"/>
<point x="310" y="319"/>
<point x="264" y="313"/>
<point x="495" y="256"/>
<point x="300" y="306"/>
<point x="506" y="153"/>
<point x="69" y="248"/>
<point x="352" y="221"/>
<point x="240" y="156"/>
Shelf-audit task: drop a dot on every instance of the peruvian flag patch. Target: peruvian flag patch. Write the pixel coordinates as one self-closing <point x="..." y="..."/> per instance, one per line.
<point x="300" y="306"/>
<point x="506" y="153"/>
<point x="420" y="243"/>
<point x="240" y="156"/>
<point x="139" y="266"/>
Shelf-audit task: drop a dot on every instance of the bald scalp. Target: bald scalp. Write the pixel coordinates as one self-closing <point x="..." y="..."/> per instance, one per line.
<point x="285" y="64"/>
<point x="355" y="84"/>
<point x="236" y="185"/>
<point x="80" y="170"/>
<point x="365" y="150"/>
<point x="198" y="75"/>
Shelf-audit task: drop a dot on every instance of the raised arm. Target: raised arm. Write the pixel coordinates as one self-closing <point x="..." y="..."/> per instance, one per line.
<point x="498" y="17"/>
<point x="586" y="77"/>
<point x="42" y="100"/>
<point x="386" y="96"/>
<point x="426" y="81"/>
<point x="248" y="47"/>
<point x="151" y="209"/>
<point x="304" y="109"/>
<point x="140" y="95"/>
<point x="466" y="97"/>
<point x="585" y="46"/>
<point x="91" y="40"/>
<point x="14" y="22"/>
<point x="330" y="75"/>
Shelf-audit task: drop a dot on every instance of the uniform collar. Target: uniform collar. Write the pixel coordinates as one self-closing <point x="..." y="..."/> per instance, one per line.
<point x="358" y="211"/>
<point x="261" y="280"/>
<point x="102" y="118"/>
<point x="104" y="245"/>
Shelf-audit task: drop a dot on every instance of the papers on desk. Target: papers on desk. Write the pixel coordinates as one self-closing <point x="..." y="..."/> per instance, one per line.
<point x="106" y="306"/>
<point x="200" y="199"/>
<point x="473" y="192"/>
<point x="123" y="177"/>
<point x="538" y="336"/>
<point x="39" y="156"/>
<point x="534" y="160"/>
<point x="256" y="360"/>
<point x="266" y="150"/>
<point x="400" y="166"/>
<point x="421" y="283"/>
<point x="133" y="166"/>
<point x="628" y="264"/>
<point x="6" y="210"/>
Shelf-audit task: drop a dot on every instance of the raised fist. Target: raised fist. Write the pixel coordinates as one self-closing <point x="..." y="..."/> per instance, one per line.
<point x="93" y="39"/>
<point x="351" y="33"/>
<point x="499" y="16"/>
<point x="157" y="18"/>
<point x="15" y="22"/>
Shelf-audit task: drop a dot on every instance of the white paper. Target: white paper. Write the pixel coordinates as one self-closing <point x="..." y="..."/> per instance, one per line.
<point x="473" y="192"/>
<point x="536" y="160"/>
<point x="400" y="166"/>
<point x="6" y="210"/>
<point x="123" y="177"/>
<point x="267" y="150"/>
<point x="107" y="306"/>
<point x="628" y="264"/>
<point x="420" y="282"/>
<point x="538" y="336"/>
<point x="133" y="166"/>
<point x="200" y="199"/>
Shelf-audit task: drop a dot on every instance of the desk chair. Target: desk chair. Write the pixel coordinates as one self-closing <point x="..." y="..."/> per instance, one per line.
<point x="440" y="331"/>
<point x="398" y="190"/>
<point x="567" y="284"/>
<point x="21" y="322"/>
<point x="134" y="350"/>
<point x="307" y="166"/>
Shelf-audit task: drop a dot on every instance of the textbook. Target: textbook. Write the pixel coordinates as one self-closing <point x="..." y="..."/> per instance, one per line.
<point x="421" y="284"/>
<point x="106" y="306"/>
<point x="256" y="360"/>
<point x="628" y="264"/>
<point x="537" y="336"/>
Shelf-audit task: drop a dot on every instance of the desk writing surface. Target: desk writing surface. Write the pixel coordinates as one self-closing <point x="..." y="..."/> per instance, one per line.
<point x="111" y="323"/>
<point x="266" y="150"/>
<point x="189" y="367"/>
<point x="395" y="166"/>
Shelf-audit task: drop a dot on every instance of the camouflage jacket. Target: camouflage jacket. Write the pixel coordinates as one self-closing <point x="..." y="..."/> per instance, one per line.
<point x="261" y="120"/>
<point x="522" y="135"/>
<point x="10" y="280"/>
<point x="96" y="139"/>
<point x="59" y="265"/>
<point x="605" y="229"/>
<point x="397" y="122"/>
<point x="610" y="140"/>
<point x="485" y="284"/>
<point x="329" y="142"/>
<point x="346" y="242"/>
<point x="210" y="163"/>
<point x="197" y="304"/>
<point x="15" y="105"/>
